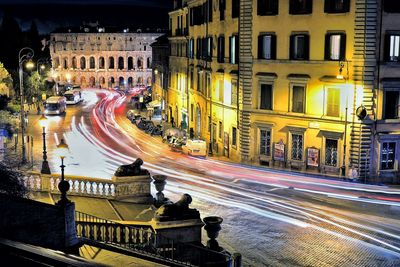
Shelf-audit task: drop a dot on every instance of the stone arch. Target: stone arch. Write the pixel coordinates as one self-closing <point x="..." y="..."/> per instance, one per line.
<point x="130" y="82"/>
<point x="92" y="63"/>
<point x="83" y="81"/>
<point x="101" y="63"/>
<point x="130" y="63"/>
<point x="139" y="63"/>
<point x="120" y="63"/>
<point x="111" y="82"/>
<point x="102" y="82"/>
<point x="92" y="81"/>
<point x="148" y="63"/>
<point x="121" y="81"/>
<point x="74" y="62"/>
<point x="83" y="63"/>
<point x="140" y="80"/>
<point x="65" y="63"/>
<point x="111" y="63"/>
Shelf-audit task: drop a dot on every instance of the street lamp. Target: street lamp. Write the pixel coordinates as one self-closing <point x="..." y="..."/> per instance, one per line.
<point x="43" y="121"/>
<point x="341" y="77"/>
<point x="63" y="186"/>
<point x="24" y="54"/>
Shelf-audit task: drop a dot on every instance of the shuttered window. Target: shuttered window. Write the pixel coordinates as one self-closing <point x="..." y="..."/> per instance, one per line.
<point x="333" y="102"/>
<point x="267" y="46"/>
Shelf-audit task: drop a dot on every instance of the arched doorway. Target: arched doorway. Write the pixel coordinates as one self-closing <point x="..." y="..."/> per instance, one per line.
<point x="92" y="81"/>
<point x="198" y="121"/>
<point x="120" y="63"/>
<point x="102" y="82"/>
<point x="130" y="63"/>
<point x="101" y="63"/>
<point x="83" y="63"/>
<point x="111" y="64"/>
<point x="130" y="82"/>
<point x="111" y="82"/>
<point x="83" y="81"/>
<point x="121" y="82"/>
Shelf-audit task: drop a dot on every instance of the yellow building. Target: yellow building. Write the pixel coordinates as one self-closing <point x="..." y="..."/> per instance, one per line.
<point x="286" y="84"/>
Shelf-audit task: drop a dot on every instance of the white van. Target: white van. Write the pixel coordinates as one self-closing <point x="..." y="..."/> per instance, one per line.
<point x="195" y="148"/>
<point x="73" y="96"/>
<point x="55" y="105"/>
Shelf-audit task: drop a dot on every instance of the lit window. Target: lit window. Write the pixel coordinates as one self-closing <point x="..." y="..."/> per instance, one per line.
<point x="233" y="49"/>
<point x="297" y="146"/>
<point x="388" y="151"/>
<point x="333" y="102"/>
<point x="331" y="152"/>
<point x="298" y="99"/>
<point x="335" y="46"/>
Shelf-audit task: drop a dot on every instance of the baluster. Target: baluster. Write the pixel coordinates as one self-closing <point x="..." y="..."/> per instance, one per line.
<point x="83" y="229"/>
<point x="130" y="240"/>
<point x="100" y="189"/>
<point x="82" y="187"/>
<point x="98" y="233"/>
<point x="88" y="188"/>
<point x="106" y="188"/>
<point x="115" y="239"/>
<point x="71" y="185"/>
<point x="107" y="235"/>
<point x="91" y="231"/>
<point x="122" y="235"/>
<point x="38" y="183"/>
<point x="140" y="236"/>
<point x="94" y="187"/>
<point x="112" y="187"/>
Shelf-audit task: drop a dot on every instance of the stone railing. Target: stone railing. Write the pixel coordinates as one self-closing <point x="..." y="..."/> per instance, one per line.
<point x="79" y="185"/>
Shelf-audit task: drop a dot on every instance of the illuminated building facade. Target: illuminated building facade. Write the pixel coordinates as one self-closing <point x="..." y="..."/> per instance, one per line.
<point x="295" y="84"/>
<point x="92" y="57"/>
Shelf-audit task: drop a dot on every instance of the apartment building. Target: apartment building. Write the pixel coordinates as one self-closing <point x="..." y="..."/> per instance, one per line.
<point x="297" y="84"/>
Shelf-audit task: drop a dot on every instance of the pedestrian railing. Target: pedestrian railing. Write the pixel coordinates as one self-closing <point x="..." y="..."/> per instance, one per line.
<point x="79" y="185"/>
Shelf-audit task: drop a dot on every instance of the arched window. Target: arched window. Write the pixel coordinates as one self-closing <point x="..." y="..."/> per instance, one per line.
<point x="83" y="63"/>
<point x="148" y="63"/>
<point x="121" y="81"/>
<point x="56" y="62"/>
<point x="140" y="63"/>
<point x="65" y="63"/>
<point x="92" y="63"/>
<point x="130" y="63"/>
<point x="74" y="62"/>
<point x="92" y="81"/>
<point x="111" y="63"/>
<point x="101" y="63"/>
<point x="120" y="63"/>
<point x="130" y="82"/>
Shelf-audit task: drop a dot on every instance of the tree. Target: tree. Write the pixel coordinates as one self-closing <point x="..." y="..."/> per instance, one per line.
<point x="11" y="182"/>
<point x="34" y="86"/>
<point x="5" y="81"/>
<point x="11" y="36"/>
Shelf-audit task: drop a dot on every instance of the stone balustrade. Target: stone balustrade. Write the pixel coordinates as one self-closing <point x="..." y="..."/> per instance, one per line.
<point x="79" y="185"/>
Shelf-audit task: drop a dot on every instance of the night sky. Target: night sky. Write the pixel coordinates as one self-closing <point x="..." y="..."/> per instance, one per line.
<point x="50" y="15"/>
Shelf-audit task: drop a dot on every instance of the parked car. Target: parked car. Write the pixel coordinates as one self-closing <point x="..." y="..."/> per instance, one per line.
<point x="195" y="148"/>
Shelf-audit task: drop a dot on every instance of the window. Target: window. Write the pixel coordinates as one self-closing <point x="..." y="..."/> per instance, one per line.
<point x="221" y="130"/>
<point x="297" y="146"/>
<point x="298" y="98"/>
<point x="337" y="6"/>
<point x="191" y="112"/>
<point x="299" y="47"/>
<point x="331" y="152"/>
<point x="208" y="84"/>
<point x="391" y="104"/>
<point x="265" y="142"/>
<point x="335" y="46"/>
<point x="209" y="124"/>
<point x="235" y="8"/>
<point x="222" y="7"/>
<point x="392" y="47"/>
<point x="388" y="151"/>
<point x="266" y="96"/>
<point x="333" y="102"/>
<point x="234" y="136"/>
<point x="221" y="91"/>
<point x="221" y="49"/>
<point x="191" y="48"/>
<point x="209" y="48"/>
<point x="391" y="6"/>
<point x="233" y="49"/>
<point x="267" y="46"/>
<point x="91" y="63"/>
<point x="191" y="79"/>
<point x="299" y="7"/>
<point x="267" y="7"/>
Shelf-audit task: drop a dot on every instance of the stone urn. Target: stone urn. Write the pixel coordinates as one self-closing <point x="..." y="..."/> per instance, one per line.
<point x="159" y="183"/>
<point x="213" y="226"/>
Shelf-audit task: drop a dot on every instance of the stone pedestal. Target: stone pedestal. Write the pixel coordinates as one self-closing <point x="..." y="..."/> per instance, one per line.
<point x="133" y="189"/>
<point x="180" y="231"/>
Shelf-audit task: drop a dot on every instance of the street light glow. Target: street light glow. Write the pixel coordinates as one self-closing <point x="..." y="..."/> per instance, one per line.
<point x="30" y="65"/>
<point x="43" y="121"/>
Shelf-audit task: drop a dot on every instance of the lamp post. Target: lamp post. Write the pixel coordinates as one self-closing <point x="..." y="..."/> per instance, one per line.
<point x="41" y="64"/>
<point x="24" y="54"/>
<point x="43" y="121"/>
<point x="341" y="77"/>
<point x="63" y="186"/>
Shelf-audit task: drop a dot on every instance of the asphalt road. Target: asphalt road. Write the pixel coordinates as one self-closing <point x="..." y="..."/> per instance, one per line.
<point x="274" y="218"/>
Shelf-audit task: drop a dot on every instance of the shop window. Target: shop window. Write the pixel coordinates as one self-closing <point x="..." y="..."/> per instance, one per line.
<point x="265" y="142"/>
<point x="333" y="102"/>
<point x="267" y="46"/>
<point x="300" y="7"/>
<point x="266" y="96"/>
<point x="388" y="151"/>
<point x="297" y="146"/>
<point x="391" y="104"/>
<point x="331" y="152"/>
<point x="392" y="47"/>
<point x="299" y="47"/>
<point x="335" y="46"/>
<point x="337" y="6"/>
<point x="267" y="7"/>
<point x="298" y="98"/>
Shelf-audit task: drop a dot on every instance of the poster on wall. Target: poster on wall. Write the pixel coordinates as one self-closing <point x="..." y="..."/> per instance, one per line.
<point x="313" y="157"/>
<point x="279" y="151"/>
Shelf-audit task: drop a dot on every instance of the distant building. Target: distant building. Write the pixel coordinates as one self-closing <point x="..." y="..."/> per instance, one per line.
<point x="94" y="56"/>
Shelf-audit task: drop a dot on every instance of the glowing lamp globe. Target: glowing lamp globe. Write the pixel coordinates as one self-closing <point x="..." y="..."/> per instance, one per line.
<point x="62" y="149"/>
<point x="43" y="121"/>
